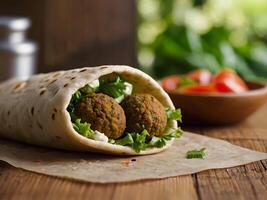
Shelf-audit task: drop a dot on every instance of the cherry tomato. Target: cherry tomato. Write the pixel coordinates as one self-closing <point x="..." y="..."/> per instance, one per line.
<point x="202" y="76"/>
<point x="170" y="82"/>
<point x="208" y="88"/>
<point x="228" y="81"/>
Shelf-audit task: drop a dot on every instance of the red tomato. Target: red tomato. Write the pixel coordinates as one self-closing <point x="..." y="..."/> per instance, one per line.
<point x="170" y="82"/>
<point x="208" y="88"/>
<point x="202" y="76"/>
<point x="228" y="81"/>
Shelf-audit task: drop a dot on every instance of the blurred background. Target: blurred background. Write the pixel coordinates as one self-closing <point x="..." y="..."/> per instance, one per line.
<point x="161" y="37"/>
<point x="176" y="36"/>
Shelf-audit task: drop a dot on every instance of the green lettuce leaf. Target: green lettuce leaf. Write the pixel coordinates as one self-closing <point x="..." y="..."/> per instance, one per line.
<point x="174" y="114"/>
<point x="116" y="88"/>
<point x="138" y="141"/>
<point x="71" y="107"/>
<point x="134" y="140"/>
<point x="78" y="95"/>
<point x="83" y="128"/>
<point x="127" y="140"/>
<point x="162" y="140"/>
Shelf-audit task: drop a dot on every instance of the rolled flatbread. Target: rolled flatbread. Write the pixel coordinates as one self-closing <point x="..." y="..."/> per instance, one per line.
<point x="35" y="110"/>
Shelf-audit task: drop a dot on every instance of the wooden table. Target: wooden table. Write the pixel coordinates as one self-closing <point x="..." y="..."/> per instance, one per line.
<point x="244" y="182"/>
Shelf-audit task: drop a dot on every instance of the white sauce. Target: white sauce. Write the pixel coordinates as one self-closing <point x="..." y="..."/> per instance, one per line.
<point x="129" y="88"/>
<point x="100" y="137"/>
<point x="94" y="84"/>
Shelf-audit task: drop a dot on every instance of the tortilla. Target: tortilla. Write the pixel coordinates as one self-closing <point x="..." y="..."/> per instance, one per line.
<point x="34" y="110"/>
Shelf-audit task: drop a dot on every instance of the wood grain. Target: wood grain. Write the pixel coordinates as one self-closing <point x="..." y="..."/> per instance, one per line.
<point x="243" y="182"/>
<point x="17" y="183"/>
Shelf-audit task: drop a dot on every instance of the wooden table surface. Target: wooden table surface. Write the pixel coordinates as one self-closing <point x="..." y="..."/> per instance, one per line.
<point x="244" y="182"/>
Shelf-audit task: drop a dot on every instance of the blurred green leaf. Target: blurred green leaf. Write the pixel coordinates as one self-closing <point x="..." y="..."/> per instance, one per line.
<point x="203" y="60"/>
<point x="233" y="38"/>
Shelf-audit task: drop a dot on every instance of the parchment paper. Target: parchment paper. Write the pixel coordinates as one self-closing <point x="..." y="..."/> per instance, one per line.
<point x="106" y="169"/>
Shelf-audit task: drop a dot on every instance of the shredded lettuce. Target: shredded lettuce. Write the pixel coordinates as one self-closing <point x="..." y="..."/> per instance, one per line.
<point x="174" y="114"/>
<point x="83" y="128"/>
<point x="71" y="107"/>
<point x="127" y="140"/>
<point x="87" y="89"/>
<point x="161" y="141"/>
<point x="195" y="153"/>
<point x="139" y="142"/>
<point x="116" y="88"/>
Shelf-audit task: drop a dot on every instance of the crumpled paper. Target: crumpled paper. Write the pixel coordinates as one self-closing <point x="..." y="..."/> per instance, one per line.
<point x="99" y="168"/>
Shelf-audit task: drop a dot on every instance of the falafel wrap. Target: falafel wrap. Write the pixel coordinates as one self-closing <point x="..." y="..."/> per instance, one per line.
<point x="108" y="109"/>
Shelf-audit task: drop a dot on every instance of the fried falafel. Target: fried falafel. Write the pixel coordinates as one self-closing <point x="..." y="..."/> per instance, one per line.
<point x="144" y="111"/>
<point x="103" y="113"/>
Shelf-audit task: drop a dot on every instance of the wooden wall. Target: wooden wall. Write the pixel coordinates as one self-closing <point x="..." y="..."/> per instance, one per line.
<point x="74" y="33"/>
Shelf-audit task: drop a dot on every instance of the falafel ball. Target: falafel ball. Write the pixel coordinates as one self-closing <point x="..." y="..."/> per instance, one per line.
<point x="103" y="113"/>
<point x="144" y="111"/>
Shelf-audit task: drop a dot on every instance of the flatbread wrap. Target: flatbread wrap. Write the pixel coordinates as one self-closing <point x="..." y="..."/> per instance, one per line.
<point x="108" y="109"/>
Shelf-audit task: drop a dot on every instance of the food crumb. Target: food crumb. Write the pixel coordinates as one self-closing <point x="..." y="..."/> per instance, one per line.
<point x="125" y="163"/>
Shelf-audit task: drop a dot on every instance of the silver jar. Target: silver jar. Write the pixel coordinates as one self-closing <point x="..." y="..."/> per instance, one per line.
<point x="17" y="53"/>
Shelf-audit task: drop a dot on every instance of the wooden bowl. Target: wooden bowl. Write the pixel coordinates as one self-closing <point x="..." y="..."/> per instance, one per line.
<point x="219" y="108"/>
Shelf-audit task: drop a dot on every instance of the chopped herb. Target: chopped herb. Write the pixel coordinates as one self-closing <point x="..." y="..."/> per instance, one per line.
<point x="196" y="153"/>
<point x="174" y="114"/>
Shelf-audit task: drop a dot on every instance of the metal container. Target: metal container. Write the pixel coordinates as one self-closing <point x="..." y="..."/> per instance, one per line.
<point x="17" y="53"/>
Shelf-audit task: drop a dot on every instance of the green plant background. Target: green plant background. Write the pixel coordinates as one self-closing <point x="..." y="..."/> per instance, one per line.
<point x="176" y="36"/>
